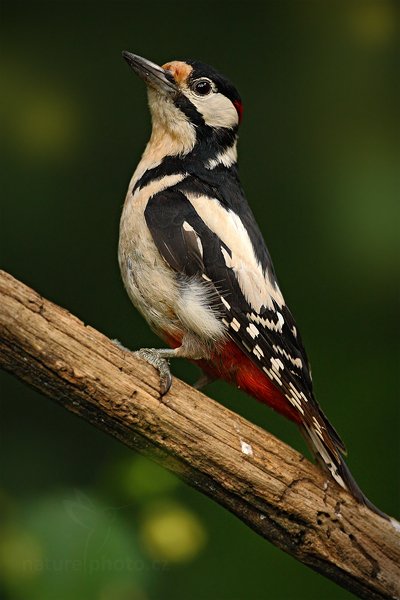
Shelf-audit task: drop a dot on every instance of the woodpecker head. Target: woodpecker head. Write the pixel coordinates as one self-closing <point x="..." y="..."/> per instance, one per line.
<point x="191" y="101"/>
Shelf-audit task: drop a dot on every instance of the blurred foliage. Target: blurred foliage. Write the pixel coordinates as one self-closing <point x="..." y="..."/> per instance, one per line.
<point x="82" y="516"/>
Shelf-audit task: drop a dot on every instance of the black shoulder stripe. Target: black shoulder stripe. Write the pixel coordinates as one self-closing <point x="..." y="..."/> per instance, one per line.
<point x="190" y="164"/>
<point x="170" y="165"/>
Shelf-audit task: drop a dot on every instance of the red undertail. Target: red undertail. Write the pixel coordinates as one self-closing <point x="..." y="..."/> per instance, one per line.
<point x="232" y="365"/>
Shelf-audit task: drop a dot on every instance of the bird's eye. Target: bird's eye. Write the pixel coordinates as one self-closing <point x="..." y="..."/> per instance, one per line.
<point x="202" y="87"/>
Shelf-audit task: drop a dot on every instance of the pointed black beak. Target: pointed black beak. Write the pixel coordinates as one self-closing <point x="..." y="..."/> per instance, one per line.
<point x="154" y="76"/>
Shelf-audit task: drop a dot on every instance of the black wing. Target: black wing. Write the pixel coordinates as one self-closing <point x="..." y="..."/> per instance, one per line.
<point x="268" y="336"/>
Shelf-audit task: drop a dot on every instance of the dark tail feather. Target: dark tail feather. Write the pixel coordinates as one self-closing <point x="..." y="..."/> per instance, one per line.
<point x="355" y="490"/>
<point x="332" y="462"/>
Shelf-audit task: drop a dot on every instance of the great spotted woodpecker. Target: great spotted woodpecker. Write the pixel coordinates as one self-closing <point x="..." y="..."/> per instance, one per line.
<point x="195" y="264"/>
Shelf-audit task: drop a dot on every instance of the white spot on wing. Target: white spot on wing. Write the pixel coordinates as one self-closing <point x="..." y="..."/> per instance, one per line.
<point x="258" y="352"/>
<point x="235" y="324"/>
<point x="294" y="390"/>
<point x="295" y="402"/>
<point x="225" y="303"/>
<point x="277" y="364"/>
<point x="297" y="362"/>
<point x="266" y="322"/>
<point x="272" y="375"/>
<point x="252" y="330"/>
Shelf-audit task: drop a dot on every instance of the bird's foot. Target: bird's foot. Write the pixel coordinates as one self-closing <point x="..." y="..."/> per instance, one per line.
<point x="155" y="358"/>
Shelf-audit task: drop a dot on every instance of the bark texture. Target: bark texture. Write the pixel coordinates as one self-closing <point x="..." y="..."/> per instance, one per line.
<point x="266" y="484"/>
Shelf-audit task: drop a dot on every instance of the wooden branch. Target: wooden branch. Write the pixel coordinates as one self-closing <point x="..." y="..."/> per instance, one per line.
<point x="268" y="485"/>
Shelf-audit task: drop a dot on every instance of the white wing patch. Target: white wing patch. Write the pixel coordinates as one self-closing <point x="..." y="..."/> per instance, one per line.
<point x="254" y="283"/>
<point x="260" y="293"/>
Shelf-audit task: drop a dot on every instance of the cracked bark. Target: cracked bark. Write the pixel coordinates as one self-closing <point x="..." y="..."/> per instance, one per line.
<point x="270" y="487"/>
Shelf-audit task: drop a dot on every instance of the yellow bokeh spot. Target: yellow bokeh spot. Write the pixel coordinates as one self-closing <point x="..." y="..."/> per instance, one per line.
<point x="46" y="126"/>
<point x="374" y="21"/>
<point x="172" y="533"/>
<point x="19" y="554"/>
<point x="41" y="118"/>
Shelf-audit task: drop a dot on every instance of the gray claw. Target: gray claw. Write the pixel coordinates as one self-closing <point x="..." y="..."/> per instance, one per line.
<point x="151" y="356"/>
<point x="165" y="378"/>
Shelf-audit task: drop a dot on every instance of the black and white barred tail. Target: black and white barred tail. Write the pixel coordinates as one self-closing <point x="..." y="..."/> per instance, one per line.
<point x="333" y="463"/>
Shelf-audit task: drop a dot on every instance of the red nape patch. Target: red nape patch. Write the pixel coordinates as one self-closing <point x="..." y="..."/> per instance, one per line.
<point x="232" y="365"/>
<point x="239" y="109"/>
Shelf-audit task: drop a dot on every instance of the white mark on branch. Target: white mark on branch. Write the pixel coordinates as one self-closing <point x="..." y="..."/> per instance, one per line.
<point x="246" y="448"/>
<point x="395" y="524"/>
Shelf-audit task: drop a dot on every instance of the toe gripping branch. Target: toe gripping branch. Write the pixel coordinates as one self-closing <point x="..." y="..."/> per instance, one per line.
<point x="158" y="358"/>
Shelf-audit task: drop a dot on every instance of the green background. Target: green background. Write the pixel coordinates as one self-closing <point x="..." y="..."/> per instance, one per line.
<point x="82" y="516"/>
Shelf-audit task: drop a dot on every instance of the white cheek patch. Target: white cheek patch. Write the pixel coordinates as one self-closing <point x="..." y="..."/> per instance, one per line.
<point x="216" y="110"/>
